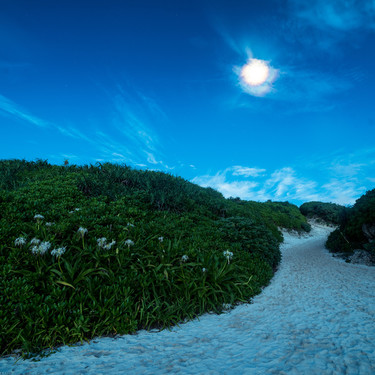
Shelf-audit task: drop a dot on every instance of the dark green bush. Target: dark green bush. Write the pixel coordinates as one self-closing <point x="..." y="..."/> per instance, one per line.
<point x="338" y="243"/>
<point x="328" y="212"/>
<point x="352" y="224"/>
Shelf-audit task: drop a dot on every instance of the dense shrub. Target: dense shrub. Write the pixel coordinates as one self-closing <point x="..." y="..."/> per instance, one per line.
<point x="328" y="212"/>
<point x="353" y="223"/>
<point x="280" y="214"/>
<point x="172" y="251"/>
<point x="338" y="243"/>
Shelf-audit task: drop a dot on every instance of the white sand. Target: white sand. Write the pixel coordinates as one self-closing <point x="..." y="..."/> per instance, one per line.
<point x="316" y="317"/>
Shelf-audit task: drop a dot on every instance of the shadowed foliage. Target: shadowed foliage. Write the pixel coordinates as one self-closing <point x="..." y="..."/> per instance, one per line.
<point x="327" y="212"/>
<point x="357" y="227"/>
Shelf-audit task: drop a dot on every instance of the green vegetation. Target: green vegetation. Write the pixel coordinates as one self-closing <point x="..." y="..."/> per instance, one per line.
<point x="328" y="212"/>
<point x="357" y="227"/>
<point x="101" y="250"/>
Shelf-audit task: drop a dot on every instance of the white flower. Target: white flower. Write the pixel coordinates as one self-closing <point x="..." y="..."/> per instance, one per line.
<point x="77" y="209"/>
<point x="82" y="231"/>
<point x="204" y="270"/>
<point x="161" y="239"/>
<point x="228" y="254"/>
<point x="129" y="243"/>
<point x="101" y="241"/>
<point x="184" y="258"/>
<point x="42" y="248"/>
<point x="37" y="216"/>
<point x="35" y="241"/>
<point x="107" y="247"/>
<point x="49" y="224"/>
<point x="35" y="249"/>
<point x="20" y="241"/>
<point x="130" y="225"/>
<point x="58" y="252"/>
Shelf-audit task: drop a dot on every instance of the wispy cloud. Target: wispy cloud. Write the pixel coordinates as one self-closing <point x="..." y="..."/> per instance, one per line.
<point x="136" y="143"/>
<point x="284" y="184"/>
<point x="347" y="170"/>
<point x="302" y="85"/>
<point x="343" y="192"/>
<point x="341" y="15"/>
<point x="151" y="158"/>
<point x="247" y="172"/>
<point x="242" y="189"/>
<point x="133" y="116"/>
<point x="11" y="109"/>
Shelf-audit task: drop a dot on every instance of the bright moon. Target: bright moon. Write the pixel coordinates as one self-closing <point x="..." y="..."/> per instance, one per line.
<point x="255" y="72"/>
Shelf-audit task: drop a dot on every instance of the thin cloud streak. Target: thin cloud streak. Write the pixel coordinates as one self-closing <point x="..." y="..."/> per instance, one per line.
<point x="9" y="108"/>
<point x="141" y="143"/>
<point x="247" y="172"/>
<point x="132" y="116"/>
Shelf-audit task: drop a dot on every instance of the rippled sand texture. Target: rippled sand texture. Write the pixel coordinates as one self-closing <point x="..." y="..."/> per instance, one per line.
<point x="316" y="317"/>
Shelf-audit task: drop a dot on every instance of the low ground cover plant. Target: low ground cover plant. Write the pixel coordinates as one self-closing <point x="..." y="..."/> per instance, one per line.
<point x="99" y="250"/>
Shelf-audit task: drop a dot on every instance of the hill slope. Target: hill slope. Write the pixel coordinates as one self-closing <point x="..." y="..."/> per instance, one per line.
<point x="106" y="249"/>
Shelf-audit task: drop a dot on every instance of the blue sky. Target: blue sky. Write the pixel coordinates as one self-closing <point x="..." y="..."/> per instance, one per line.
<point x="158" y="85"/>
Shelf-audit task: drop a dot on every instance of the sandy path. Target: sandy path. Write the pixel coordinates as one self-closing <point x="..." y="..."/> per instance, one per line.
<point x="316" y="317"/>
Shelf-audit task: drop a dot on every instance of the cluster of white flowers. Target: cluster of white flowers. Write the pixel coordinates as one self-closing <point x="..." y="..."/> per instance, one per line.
<point x="20" y="241"/>
<point x="76" y="209"/>
<point x="109" y="245"/>
<point x="228" y="254"/>
<point x="102" y="242"/>
<point x="34" y="241"/>
<point x="42" y="248"/>
<point x="184" y="258"/>
<point x="58" y="252"/>
<point x="161" y="239"/>
<point x="38" y="217"/>
<point x="204" y="270"/>
<point x="129" y="243"/>
<point x="82" y="231"/>
<point x="49" y="224"/>
<point x="130" y="225"/>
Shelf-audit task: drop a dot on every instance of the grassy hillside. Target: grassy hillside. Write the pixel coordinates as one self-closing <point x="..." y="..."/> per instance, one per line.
<point x="329" y="212"/>
<point x="102" y="250"/>
<point x="357" y="227"/>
